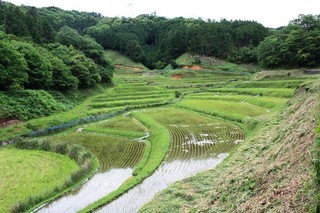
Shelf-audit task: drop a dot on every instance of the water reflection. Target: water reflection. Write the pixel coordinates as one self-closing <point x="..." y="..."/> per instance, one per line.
<point x="96" y="188"/>
<point x="168" y="172"/>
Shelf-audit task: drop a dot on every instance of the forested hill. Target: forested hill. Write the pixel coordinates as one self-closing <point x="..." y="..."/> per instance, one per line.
<point x="156" y="41"/>
<point x="149" y="39"/>
<point x="42" y="56"/>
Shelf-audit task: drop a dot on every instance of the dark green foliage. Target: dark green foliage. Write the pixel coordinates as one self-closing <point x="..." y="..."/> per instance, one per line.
<point x="84" y="69"/>
<point x="27" y="104"/>
<point x="13" y="66"/>
<point x="52" y="66"/>
<point x="243" y="55"/>
<point x="25" y="64"/>
<point x="61" y="148"/>
<point x="155" y="41"/>
<point x="177" y="94"/>
<point x="39" y="66"/>
<point x="297" y="45"/>
<point x="174" y="64"/>
<point x="62" y="77"/>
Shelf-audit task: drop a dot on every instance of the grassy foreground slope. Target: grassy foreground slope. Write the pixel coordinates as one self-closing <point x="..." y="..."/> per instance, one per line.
<point x="272" y="171"/>
<point x="26" y="173"/>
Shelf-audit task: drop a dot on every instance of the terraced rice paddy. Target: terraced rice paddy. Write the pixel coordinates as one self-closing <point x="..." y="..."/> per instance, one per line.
<point x="111" y="151"/>
<point x="231" y="110"/>
<point x="123" y="126"/>
<point x="198" y="139"/>
<point x="197" y="143"/>
<point x="117" y="156"/>
<point x="166" y="174"/>
<point x="96" y="188"/>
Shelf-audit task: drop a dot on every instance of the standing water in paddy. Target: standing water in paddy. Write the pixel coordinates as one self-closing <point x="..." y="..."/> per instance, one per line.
<point x="118" y="156"/>
<point x="196" y="146"/>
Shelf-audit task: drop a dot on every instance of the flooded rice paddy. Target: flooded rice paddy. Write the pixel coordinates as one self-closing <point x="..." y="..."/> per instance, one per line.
<point x="194" y="148"/>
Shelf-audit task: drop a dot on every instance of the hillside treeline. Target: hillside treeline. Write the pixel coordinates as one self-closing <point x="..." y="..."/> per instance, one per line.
<point x="39" y="51"/>
<point x="149" y="39"/>
<point x="155" y="41"/>
<point x="296" y="45"/>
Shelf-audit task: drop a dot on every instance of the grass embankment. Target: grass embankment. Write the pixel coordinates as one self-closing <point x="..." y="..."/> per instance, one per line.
<point x="316" y="154"/>
<point x="27" y="174"/>
<point x="271" y="171"/>
<point x="118" y="58"/>
<point x="86" y="162"/>
<point x="160" y="142"/>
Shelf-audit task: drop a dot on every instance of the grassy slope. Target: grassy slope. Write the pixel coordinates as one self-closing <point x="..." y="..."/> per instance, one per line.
<point x="118" y="58"/>
<point x="272" y="171"/>
<point x="28" y="173"/>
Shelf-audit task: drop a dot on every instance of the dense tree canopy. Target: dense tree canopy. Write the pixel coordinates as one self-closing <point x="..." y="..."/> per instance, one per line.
<point x="156" y="40"/>
<point x="24" y="64"/>
<point x="35" y="60"/>
<point x="297" y="45"/>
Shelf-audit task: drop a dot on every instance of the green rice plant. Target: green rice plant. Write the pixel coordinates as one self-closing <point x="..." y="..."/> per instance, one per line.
<point x="268" y="84"/>
<point x="126" y="103"/>
<point x="111" y="151"/>
<point x="123" y="97"/>
<point x="263" y="101"/>
<point x="123" y="126"/>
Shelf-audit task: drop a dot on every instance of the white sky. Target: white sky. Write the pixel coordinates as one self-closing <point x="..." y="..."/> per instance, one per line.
<point x="270" y="13"/>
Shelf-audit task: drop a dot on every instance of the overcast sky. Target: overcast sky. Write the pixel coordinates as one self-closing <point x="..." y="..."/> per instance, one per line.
<point x="270" y="13"/>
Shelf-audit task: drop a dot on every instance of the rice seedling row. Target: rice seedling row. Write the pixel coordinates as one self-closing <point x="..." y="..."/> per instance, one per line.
<point x="140" y="97"/>
<point x="110" y="150"/>
<point x="234" y="111"/>
<point x="268" y="84"/>
<point x="127" y="103"/>
<point x="263" y="101"/>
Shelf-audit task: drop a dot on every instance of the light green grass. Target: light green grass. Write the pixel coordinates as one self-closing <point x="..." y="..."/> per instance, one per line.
<point x="274" y="92"/>
<point x="26" y="173"/>
<point x="118" y="58"/>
